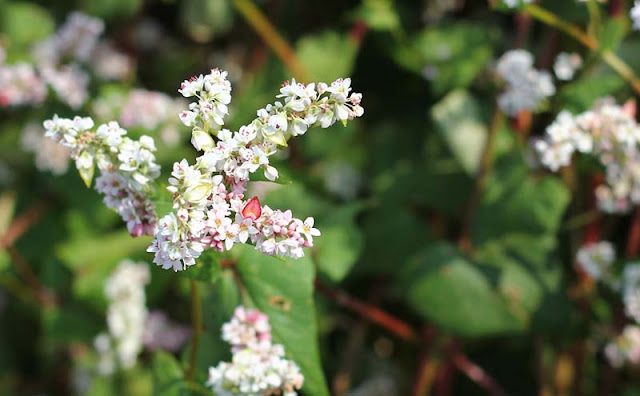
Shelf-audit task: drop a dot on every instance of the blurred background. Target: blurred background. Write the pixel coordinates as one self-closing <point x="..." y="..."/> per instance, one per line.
<point x="488" y="286"/>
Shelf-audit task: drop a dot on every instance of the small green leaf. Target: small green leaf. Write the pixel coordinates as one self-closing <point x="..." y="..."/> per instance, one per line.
<point x="378" y="15"/>
<point x="25" y="23"/>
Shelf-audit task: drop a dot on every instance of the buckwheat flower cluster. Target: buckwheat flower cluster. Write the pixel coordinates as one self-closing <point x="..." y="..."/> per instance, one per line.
<point x="127" y="167"/>
<point x="238" y="154"/>
<point x="208" y="198"/>
<point x="596" y="259"/>
<point x="258" y="367"/>
<point x="566" y="65"/>
<point x="611" y="133"/>
<point x="20" y="85"/>
<point x="126" y="317"/>
<point x="635" y="15"/>
<point x="527" y="88"/>
<point x="49" y="156"/>
<point x="625" y="348"/>
<point x="69" y="82"/>
<point x="75" y="40"/>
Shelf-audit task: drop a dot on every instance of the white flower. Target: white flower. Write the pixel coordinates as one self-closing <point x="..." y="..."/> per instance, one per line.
<point x="126" y="317"/>
<point x="566" y="65"/>
<point x="635" y="14"/>
<point x="596" y="259"/>
<point x="527" y="87"/>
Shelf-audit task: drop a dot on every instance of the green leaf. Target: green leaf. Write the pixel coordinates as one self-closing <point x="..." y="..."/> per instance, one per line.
<point x="283" y="289"/>
<point x="457" y="118"/>
<point x="207" y="269"/>
<point x="449" y="56"/>
<point x="168" y="378"/>
<point x="111" y="9"/>
<point x="613" y="32"/>
<point x="327" y="56"/>
<point x="203" y="19"/>
<point x="515" y="202"/>
<point x="579" y="96"/>
<point x="457" y="295"/>
<point x="25" y="23"/>
<point x="378" y="14"/>
<point x="340" y="244"/>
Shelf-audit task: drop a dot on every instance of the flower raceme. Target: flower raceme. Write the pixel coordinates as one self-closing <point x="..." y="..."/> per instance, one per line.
<point x="258" y="367"/>
<point x="611" y="133"/>
<point x="127" y="167"/>
<point x="210" y="209"/>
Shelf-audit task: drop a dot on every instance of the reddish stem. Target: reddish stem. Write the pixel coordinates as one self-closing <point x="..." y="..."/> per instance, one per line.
<point x="374" y="314"/>
<point x="22" y="223"/>
<point x="633" y="243"/>
<point x="477" y="374"/>
<point x="616" y="8"/>
<point x="358" y="31"/>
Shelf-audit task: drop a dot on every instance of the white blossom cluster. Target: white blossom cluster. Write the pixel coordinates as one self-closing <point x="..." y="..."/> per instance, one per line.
<point x="258" y="367"/>
<point x="49" y="155"/>
<point x="635" y="15"/>
<point x="58" y="61"/>
<point x="566" y="65"/>
<point x="516" y="3"/>
<point x="209" y="216"/>
<point x="527" y="88"/>
<point x="20" y="85"/>
<point x="208" y="197"/>
<point x="127" y="167"/>
<point x="160" y="333"/>
<point x="609" y="132"/>
<point x="237" y="154"/>
<point x="126" y="317"/>
<point x="596" y="259"/>
<point x="625" y="348"/>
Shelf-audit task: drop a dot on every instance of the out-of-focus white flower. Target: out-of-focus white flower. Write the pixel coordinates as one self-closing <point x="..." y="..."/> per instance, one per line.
<point x="625" y="348"/>
<point x="49" y="156"/>
<point x="111" y="64"/>
<point x="21" y="85"/>
<point x="596" y="259"/>
<point x="76" y="39"/>
<point x="566" y="65"/>
<point x="527" y="88"/>
<point x="516" y="3"/>
<point x="258" y="367"/>
<point x="635" y="15"/>
<point x="126" y="317"/>
<point x="609" y="132"/>
<point x="69" y="82"/>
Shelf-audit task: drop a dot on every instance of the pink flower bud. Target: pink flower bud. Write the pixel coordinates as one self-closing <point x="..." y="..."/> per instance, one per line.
<point x="252" y="209"/>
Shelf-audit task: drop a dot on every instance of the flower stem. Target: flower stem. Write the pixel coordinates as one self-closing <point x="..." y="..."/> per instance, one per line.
<point x="271" y="37"/>
<point x="196" y="324"/>
<point x="613" y="60"/>
<point x="480" y="181"/>
<point x="396" y="326"/>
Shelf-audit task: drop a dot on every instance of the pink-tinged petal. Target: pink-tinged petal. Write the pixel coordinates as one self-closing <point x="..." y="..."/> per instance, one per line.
<point x="630" y="107"/>
<point x="252" y="209"/>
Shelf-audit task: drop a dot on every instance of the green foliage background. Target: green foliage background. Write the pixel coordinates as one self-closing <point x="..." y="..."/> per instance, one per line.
<point x="429" y="95"/>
